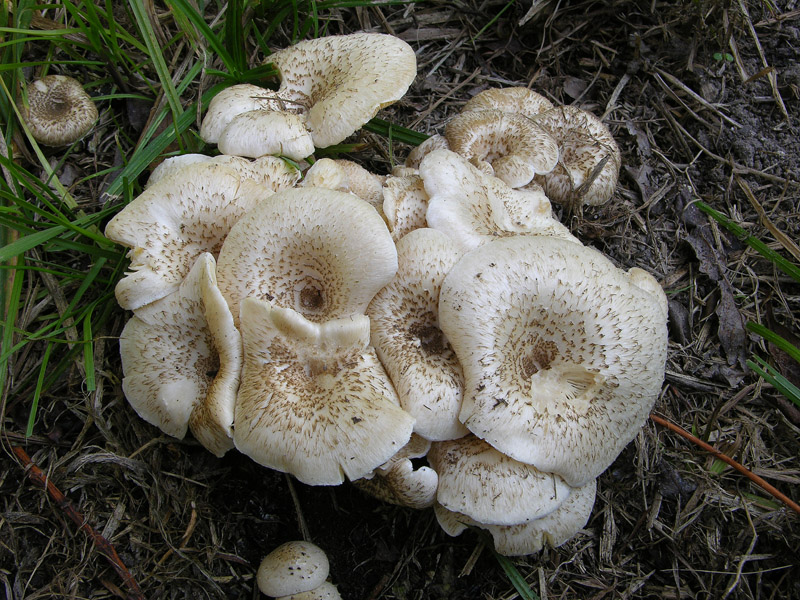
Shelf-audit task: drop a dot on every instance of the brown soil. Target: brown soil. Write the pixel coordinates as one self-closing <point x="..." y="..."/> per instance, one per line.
<point x="703" y="99"/>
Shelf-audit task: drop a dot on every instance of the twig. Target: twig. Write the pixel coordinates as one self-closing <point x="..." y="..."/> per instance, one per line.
<point x="727" y="459"/>
<point x="102" y="544"/>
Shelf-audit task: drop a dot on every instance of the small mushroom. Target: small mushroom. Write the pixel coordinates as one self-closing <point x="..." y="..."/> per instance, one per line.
<point x="589" y="162"/>
<point x="514" y="147"/>
<point x="435" y="142"/>
<point x="292" y="568"/>
<point x="58" y="111"/>
<point x="346" y="176"/>
<point x="563" y="355"/>
<point x="263" y="132"/>
<point x="233" y="101"/>
<point x="314" y="400"/>
<point x="405" y="203"/>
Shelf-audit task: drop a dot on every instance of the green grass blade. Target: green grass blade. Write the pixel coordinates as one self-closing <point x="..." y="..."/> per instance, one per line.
<point x="88" y="353"/>
<point x="217" y="46"/>
<point x="396" y="132"/>
<point x="775" y="379"/>
<point x="37" y="394"/>
<point x="517" y="580"/>
<point x="756" y="244"/>
<point x="773" y="337"/>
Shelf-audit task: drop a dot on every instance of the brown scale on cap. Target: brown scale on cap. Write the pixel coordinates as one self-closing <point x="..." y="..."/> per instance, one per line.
<point x="518" y="100"/>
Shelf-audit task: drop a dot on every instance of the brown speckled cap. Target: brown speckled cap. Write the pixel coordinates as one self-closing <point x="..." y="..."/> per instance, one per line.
<point x="588" y="167"/>
<point x="174" y="221"/>
<point x="406" y="335"/>
<point x="343" y="81"/>
<point x="563" y="355"/>
<point x="181" y="357"/>
<point x="59" y="111"/>
<point x="518" y="100"/>
<point x="314" y="399"/>
<point x="515" y="147"/>
<point x="320" y="252"/>
<point x="484" y="484"/>
<point x="473" y="208"/>
<point x="531" y="536"/>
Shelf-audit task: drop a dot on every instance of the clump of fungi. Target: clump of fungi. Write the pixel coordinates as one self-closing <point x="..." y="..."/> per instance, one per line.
<point x="335" y="324"/>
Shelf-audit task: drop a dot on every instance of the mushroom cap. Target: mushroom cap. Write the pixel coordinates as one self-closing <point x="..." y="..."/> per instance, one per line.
<point x="491" y="488"/>
<point x="326" y="591"/>
<point x="563" y="356"/>
<point x="181" y="360"/>
<point x="343" y="81"/>
<point x="346" y="176"/>
<point x="259" y="132"/>
<point x="406" y="335"/>
<point x="516" y="147"/>
<point x="553" y="529"/>
<point x="173" y="222"/>
<point x="589" y="163"/>
<point x="518" y="100"/>
<point x="271" y="171"/>
<point x="233" y="101"/>
<point x="435" y="142"/>
<point x="405" y="203"/>
<point x="398" y="482"/>
<point x="320" y="252"/>
<point x="59" y="111"/>
<point x="314" y="400"/>
<point x="473" y="208"/>
<point x="292" y="568"/>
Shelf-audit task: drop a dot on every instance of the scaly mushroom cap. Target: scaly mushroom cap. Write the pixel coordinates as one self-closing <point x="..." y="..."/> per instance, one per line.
<point x="406" y="335"/>
<point x="518" y="100"/>
<point x="474" y="208"/>
<point x="259" y="132"/>
<point x="405" y="203"/>
<point x="326" y="591"/>
<point x="233" y="101"/>
<point x="173" y="222"/>
<point x="181" y="359"/>
<point x="491" y="488"/>
<point x="320" y="252"/>
<point x="292" y="568"/>
<point x="516" y="148"/>
<point x="398" y="482"/>
<point x="563" y="356"/>
<point x="346" y="176"/>
<point x="314" y="400"/>
<point x="342" y="81"/>
<point x="270" y="171"/>
<point x="588" y="167"/>
<point x="553" y="529"/>
<point x="59" y="111"/>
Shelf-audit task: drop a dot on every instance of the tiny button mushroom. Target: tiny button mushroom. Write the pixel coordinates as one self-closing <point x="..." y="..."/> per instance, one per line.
<point x="58" y="111"/>
<point x="292" y="568"/>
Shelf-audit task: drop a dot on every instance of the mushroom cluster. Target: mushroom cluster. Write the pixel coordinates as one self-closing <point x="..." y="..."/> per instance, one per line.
<point x="336" y="324"/>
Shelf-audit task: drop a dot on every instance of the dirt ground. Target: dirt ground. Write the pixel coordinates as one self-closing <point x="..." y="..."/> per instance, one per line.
<point x="703" y="98"/>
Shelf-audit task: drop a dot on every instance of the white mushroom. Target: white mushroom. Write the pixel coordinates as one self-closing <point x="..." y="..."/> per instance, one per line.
<point x="173" y="222"/>
<point x="553" y="529"/>
<point x="478" y="481"/>
<point x="320" y="252"/>
<point x="518" y="100"/>
<point x="58" y="111"/>
<point x="588" y="167"/>
<point x="563" y="356"/>
<point x="473" y="208"/>
<point x="266" y="132"/>
<point x="314" y="400"/>
<point x="181" y="359"/>
<point x="406" y="335"/>
<point x="405" y="203"/>
<point x="233" y="101"/>
<point x="515" y="147"/>
<point x="340" y="82"/>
